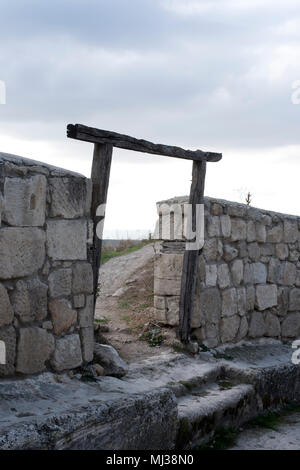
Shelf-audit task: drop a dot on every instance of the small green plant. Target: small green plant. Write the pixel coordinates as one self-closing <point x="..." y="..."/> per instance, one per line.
<point x="218" y="355"/>
<point x="224" y="384"/>
<point x="124" y="305"/>
<point x="126" y="318"/>
<point x="270" y="420"/>
<point x="203" y="348"/>
<point x="222" y="439"/>
<point x="143" y="306"/>
<point x="101" y="320"/>
<point x="187" y="385"/>
<point x="153" y="338"/>
<point x="178" y="347"/>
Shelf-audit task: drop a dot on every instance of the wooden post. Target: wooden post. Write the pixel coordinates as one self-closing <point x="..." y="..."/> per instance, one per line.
<point x="190" y="260"/>
<point x="100" y="179"/>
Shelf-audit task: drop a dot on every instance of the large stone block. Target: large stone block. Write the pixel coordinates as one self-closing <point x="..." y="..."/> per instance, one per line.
<point x="238" y="230"/>
<point x="259" y="273"/>
<point x="6" y="311"/>
<point x="229" y="328"/>
<point x="82" y="278"/>
<point x="67" y="354"/>
<point x="8" y="335"/>
<point x="22" y="251"/>
<point x="229" y="302"/>
<point x="230" y="253"/>
<point x="250" y="298"/>
<point x="70" y="197"/>
<point x="62" y="314"/>
<point x="87" y="343"/>
<point x="272" y="325"/>
<point x="60" y="283"/>
<point x="288" y="274"/>
<point x="210" y="304"/>
<point x="266" y="296"/>
<point x="290" y="228"/>
<point x="294" y="300"/>
<point x="242" y="301"/>
<point x="223" y="276"/>
<point x="257" y="326"/>
<point x="237" y="271"/>
<point x="172" y="312"/>
<point x="29" y="300"/>
<point x="243" y="329"/>
<point x="212" y="249"/>
<point x="251" y="231"/>
<point x="25" y="201"/>
<point x="35" y="345"/>
<point x="167" y="286"/>
<point x="274" y="270"/>
<point x="290" y="326"/>
<point x="86" y="314"/>
<point x="254" y="251"/>
<point x="261" y="233"/>
<point x="275" y="234"/>
<point x="225" y="226"/>
<point x="168" y="266"/>
<point x="67" y="239"/>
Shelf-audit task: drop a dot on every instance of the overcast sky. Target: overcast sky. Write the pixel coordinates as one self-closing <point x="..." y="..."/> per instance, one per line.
<point x="214" y="75"/>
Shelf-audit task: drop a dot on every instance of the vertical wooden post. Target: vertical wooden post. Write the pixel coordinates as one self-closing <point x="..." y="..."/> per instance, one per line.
<point x="190" y="260"/>
<point x="100" y="179"/>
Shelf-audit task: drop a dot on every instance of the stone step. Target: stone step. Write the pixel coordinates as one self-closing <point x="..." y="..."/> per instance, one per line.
<point x="204" y="411"/>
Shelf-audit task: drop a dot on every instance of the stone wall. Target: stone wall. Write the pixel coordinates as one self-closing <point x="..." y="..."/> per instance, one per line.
<point x="248" y="282"/>
<point x="46" y="301"/>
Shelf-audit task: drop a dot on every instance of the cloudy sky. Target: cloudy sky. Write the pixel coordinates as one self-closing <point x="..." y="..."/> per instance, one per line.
<point x="211" y="74"/>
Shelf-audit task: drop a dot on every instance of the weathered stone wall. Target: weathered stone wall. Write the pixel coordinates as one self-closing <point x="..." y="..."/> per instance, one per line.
<point x="248" y="282"/>
<point x="46" y="301"/>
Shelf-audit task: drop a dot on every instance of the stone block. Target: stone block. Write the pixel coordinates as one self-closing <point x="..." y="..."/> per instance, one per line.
<point x="67" y="239"/>
<point x="290" y="229"/>
<point x="60" y="283"/>
<point x="237" y="271"/>
<point x="275" y="234"/>
<point x="6" y="311"/>
<point x="211" y="330"/>
<point x="225" y="226"/>
<point x="82" y="278"/>
<point x="22" y="251"/>
<point x="164" y="287"/>
<point x="25" y="201"/>
<point x="274" y="270"/>
<point x="211" y="275"/>
<point x="211" y="249"/>
<point x="248" y="274"/>
<point x="294" y="303"/>
<point x="242" y="301"/>
<point x="210" y="304"/>
<point x="259" y="273"/>
<point x="250" y="298"/>
<point x="229" y="302"/>
<point x="238" y="230"/>
<point x="236" y="210"/>
<point x="290" y="326"/>
<point x="230" y="253"/>
<point x="257" y="326"/>
<point x="282" y="251"/>
<point x="67" y="354"/>
<point x="229" y="328"/>
<point x="62" y="315"/>
<point x="87" y="343"/>
<point x="35" y="346"/>
<point x="172" y="311"/>
<point x="8" y="335"/>
<point x="70" y="197"/>
<point x="254" y="251"/>
<point x="213" y="226"/>
<point x="266" y="296"/>
<point x="243" y="329"/>
<point x="288" y="274"/>
<point x="272" y="325"/>
<point x="216" y="209"/>
<point x="86" y="314"/>
<point x="261" y="233"/>
<point x="108" y="358"/>
<point x="223" y="276"/>
<point x="251" y="231"/>
<point x="79" y="301"/>
<point x="29" y="300"/>
<point x="168" y="266"/>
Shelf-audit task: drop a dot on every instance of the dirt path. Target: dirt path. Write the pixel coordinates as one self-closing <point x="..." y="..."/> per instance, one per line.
<point x="125" y="305"/>
<point x="286" y="436"/>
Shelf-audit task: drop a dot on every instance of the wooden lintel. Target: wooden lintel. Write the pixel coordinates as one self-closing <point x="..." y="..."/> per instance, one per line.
<point x="99" y="136"/>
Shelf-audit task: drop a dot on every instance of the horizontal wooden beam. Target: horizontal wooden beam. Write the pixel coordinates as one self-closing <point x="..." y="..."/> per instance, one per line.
<point x="99" y="136"/>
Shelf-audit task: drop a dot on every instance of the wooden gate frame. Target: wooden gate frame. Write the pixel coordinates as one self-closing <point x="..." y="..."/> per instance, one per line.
<point x="104" y="141"/>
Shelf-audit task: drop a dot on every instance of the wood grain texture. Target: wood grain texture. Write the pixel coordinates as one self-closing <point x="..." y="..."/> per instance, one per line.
<point x="190" y="259"/>
<point x="90" y="134"/>
<point x="100" y="178"/>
